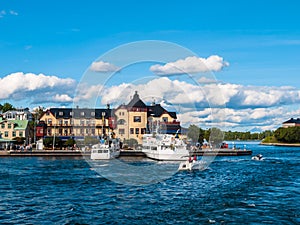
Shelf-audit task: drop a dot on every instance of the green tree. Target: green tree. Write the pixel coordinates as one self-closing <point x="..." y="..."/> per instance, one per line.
<point x="70" y="142"/>
<point x="216" y="136"/>
<point x="48" y="142"/>
<point x="288" y="135"/>
<point x="193" y="133"/>
<point x="132" y="143"/>
<point x="7" y="107"/>
<point x="19" y="140"/>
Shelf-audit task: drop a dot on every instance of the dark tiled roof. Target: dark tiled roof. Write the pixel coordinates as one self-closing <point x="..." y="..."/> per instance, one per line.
<point x="136" y="102"/>
<point x="157" y="110"/>
<point x="65" y="113"/>
<point x="292" y="120"/>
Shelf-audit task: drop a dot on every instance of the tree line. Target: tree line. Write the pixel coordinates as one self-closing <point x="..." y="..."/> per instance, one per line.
<point x="197" y="134"/>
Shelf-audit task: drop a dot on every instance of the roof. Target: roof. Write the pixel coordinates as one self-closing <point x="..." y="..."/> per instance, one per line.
<point x="66" y="113"/>
<point x="157" y="110"/>
<point x="136" y="102"/>
<point x="292" y="120"/>
<point x="20" y="124"/>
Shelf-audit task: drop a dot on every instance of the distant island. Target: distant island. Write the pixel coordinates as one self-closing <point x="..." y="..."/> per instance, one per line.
<point x="287" y="135"/>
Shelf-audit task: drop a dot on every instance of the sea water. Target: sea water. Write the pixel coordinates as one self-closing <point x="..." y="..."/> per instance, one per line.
<point x="232" y="190"/>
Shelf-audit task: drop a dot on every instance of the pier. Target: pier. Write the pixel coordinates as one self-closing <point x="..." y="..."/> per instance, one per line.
<point x="124" y="153"/>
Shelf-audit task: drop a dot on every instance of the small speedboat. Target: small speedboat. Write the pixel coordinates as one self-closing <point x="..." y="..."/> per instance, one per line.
<point x="257" y="157"/>
<point x="191" y="164"/>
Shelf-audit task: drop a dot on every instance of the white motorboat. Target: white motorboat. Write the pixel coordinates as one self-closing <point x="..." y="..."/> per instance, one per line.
<point x="258" y="157"/>
<point x="192" y="164"/>
<point x="106" y="149"/>
<point x="164" y="147"/>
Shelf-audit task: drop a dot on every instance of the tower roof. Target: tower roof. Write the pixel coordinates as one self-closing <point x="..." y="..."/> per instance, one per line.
<point x="136" y="102"/>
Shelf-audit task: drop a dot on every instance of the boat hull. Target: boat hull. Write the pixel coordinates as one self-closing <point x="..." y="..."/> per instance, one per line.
<point x="167" y="155"/>
<point x="104" y="154"/>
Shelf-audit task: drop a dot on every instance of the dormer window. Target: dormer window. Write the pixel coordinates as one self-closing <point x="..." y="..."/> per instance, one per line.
<point x="82" y="113"/>
<point x="61" y="113"/>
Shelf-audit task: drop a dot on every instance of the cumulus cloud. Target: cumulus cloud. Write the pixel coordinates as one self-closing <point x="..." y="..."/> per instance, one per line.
<point x="14" y="13"/>
<point x="62" y="98"/>
<point x="190" y="65"/>
<point x="38" y="87"/>
<point x="230" y="105"/>
<point x="10" y="12"/>
<point x="104" y="67"/>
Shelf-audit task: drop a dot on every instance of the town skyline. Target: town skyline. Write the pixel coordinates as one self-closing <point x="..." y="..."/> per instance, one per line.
<point x="250" y="53"/>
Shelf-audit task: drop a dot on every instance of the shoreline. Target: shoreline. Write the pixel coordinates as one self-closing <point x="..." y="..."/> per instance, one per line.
<point x="280" y="144"/>
<point x="126" y="153"/>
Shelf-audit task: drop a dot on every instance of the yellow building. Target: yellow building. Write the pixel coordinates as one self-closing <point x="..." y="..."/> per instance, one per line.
<point x="67" y="122"/>
<point x="136" y="119"/>
<point x="11" y="129"/>
<point x="129" y="121"/>
<point x="132" y="119"/>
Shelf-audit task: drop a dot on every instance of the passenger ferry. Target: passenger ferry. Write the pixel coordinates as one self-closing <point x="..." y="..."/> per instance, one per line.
<point x="106" y="149"/>
<point x="164" y="147"/>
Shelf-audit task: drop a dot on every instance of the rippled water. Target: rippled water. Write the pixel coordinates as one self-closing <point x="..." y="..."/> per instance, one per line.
<point x="234" y="190"/>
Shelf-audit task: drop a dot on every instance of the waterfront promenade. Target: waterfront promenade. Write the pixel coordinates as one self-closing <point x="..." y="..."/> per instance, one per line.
<point x="127" y="153"/>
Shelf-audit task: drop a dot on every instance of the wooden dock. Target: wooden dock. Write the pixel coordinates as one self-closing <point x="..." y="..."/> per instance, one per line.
<point x="124" y="153"/>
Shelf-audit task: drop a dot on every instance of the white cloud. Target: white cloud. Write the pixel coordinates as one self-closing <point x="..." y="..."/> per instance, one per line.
<point x="14" y="13"/>
<point x="233" y="106"/>
<point x="10" y="12"/>
<point x="62" y="98"/>
<point x="104" y="67"/>
<point x="207" y="80"/>
<point x="190" y="65"/>
<point x="37" y="87"/>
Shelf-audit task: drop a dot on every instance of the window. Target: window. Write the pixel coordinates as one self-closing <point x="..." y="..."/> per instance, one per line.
<point x="2" y="125"/>
<point x="121" y="131"/>
<point x="143" y="130"/>
<point x="121" y="122"/>
<point x="47" y="113"/>
<point x="61" y="113"/>
<point x="137" y="119"/>
<point x="87" y="131"/>
<point x="137" y="130"/>
<point x="92" y="113"/>
<point x="60" y="122"/>
<point x="20" y="133"/>
<point x="14" y="133"/>
<point x="82" y="131"/>
<point x="82" y="113"/>
<point x="165" y="119"/>
<point x="50" y="121"/>
<point x="9" y="126"/>
<point x="93" y="131"/>
<point x="131" y="131"/>
<point x="81" y="122"/>
<point x="71" y="113"/>
<point x="6" y="134"/>
<point x="66" y="122"/>
<point x="49" y="132"/>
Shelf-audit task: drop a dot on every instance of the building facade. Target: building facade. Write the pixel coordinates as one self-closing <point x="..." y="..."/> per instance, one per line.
<point x="18" y="114"/>
<point x="80" y="122"/>
<point x="129" y="121"/>
<point x="136" y="118"/>
<point x="11" y="129"/>
<point x="291" y="123"/>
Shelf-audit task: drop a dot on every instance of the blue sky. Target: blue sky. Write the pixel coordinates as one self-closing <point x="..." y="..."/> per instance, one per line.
<point x="60" y="40"/>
